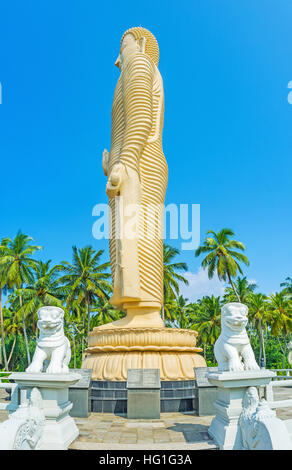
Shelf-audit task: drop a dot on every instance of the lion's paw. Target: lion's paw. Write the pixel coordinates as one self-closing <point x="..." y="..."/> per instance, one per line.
<point x="54" y="369"/>
<point x="235" y="366"/>
<point x="252" y="366"/>
<point x="34" y="368"/>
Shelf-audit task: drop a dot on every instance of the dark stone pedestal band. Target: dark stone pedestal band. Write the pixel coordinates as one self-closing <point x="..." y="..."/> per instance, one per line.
<point x="111" y="397"/>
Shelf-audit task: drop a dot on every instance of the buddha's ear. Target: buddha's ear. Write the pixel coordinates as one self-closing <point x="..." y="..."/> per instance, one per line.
<point x="142" y="44"/>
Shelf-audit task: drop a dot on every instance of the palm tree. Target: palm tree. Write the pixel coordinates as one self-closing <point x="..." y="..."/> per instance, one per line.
<point x="104" y="312"/>
<point x="287" y="285"/>
<point x="280" y="319"/>
<point x="86" y="277"/>
<point x="18" y="264"/>
<point x="222" y="257"/>
<point x="74" y="323"/>
<point x="207" y="318"/>
<point x="258" y="315"/>
<point x="171" y="275"/>
<point x="45" y="290"/>
<point x="182" y="310"/>
<point x="3" y="288"/>
<point x="169" y="311"/>
<point x="12" y="328"/>
<point x="244" y="289"/>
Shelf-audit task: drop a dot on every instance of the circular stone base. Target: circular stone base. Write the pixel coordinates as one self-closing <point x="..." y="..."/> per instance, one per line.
<point x="112" y="352"/>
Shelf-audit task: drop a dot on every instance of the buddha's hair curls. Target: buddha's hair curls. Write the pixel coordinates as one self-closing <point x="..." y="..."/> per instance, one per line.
<point x="151" y="47"/>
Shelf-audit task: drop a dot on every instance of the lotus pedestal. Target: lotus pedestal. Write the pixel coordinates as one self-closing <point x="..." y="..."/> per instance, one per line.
<point x="113" y="351"/>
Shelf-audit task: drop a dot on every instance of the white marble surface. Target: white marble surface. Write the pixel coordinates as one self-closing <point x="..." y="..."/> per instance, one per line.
<point x="241" y="378"/>
<point x="232" y="386"/>
<point x="60" y="429"/>
<point x="259" y="425"/>
<point x="24" y="428"/>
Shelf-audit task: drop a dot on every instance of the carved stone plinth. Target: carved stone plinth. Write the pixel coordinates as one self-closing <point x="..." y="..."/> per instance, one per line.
<point x="59" y="428"/>
<point x="113" y="351"/>
<point x="232" y="387"/>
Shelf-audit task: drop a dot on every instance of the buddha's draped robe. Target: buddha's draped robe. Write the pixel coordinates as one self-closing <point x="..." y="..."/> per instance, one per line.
<point x="136" y="141"/>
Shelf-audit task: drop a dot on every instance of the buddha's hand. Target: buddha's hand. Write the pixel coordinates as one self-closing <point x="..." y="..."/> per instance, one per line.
<point x="116" y="179"/>
<point x="105" y="161"/>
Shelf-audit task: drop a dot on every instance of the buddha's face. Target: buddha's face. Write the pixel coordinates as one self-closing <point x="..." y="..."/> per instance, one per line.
<point x="129" y="47"/>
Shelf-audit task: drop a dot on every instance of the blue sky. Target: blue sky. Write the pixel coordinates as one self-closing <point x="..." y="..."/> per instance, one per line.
<point x="227" y="136"/>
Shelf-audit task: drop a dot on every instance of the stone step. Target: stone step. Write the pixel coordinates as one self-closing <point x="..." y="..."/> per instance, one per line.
<point x="90" y="445"/>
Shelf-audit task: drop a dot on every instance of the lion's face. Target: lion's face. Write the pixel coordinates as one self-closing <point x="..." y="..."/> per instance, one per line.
<point x="234" y="316"/>
<point x="50" y="320"/>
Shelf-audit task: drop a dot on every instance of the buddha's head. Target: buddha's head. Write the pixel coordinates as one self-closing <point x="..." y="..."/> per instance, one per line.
<point x="138" y="40"/>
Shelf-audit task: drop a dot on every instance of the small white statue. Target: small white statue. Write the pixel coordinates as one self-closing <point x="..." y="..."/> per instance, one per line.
<point x="52" y="343"/>
<point x="24" y="428"/>
<point x="232" y="349"/>
<point x="260" y="427"/>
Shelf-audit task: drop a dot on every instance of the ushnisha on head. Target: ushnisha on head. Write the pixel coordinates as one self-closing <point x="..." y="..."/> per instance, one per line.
<point x="50" y="318"/>
<point x="135" y="40"/>
<point x="234" y="314"/>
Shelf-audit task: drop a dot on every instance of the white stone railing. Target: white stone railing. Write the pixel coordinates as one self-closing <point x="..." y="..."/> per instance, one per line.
<point x="6" y="385"/>
<point x="279" y="381"/>
<point x="287" y="374"/>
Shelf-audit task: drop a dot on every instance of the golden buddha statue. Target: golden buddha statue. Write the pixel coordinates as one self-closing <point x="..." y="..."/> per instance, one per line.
<point x="137" y="178"/>
<point x="137" y="175"/>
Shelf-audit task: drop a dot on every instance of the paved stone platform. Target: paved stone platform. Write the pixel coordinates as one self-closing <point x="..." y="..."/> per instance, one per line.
<point x="172" y="431"/>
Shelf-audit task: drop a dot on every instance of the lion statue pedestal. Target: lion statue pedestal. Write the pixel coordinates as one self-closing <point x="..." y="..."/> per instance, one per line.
<point x="59" y="429"/>
<point x="42" y="421"/>
<point x="237" y="372"/>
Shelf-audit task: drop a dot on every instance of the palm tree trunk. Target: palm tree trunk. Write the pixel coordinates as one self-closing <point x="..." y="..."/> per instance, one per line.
<point x="284" y="351"/>
<point x="74" y="347"/>
<point x="2" y="333"/>
<point x="25" y="334"/>
<point x="261" y="340"/>
<point x="88" y="320"/>
<point x="264" y="350"/>
<point x="12" y="349"/>
<point x="233" y="286"/>
<point x="83" y="333"/>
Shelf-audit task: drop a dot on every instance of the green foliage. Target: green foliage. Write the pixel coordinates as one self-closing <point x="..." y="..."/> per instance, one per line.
<point x="244" y="289"/>
<point x="170" y="272"/>
<point x="18" y="361"/>
<point x="85" y="279"/>
<point x="222" y="257"/>
<point x="82" y="289"/>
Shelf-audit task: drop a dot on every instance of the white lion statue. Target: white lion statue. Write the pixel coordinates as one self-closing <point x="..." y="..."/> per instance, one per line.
<point x="52" y="344"/>
<point x="232" y="349"/>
